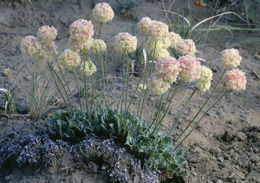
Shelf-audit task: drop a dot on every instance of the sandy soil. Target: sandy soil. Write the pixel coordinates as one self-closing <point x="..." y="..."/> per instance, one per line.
<point x="224" y="148"/>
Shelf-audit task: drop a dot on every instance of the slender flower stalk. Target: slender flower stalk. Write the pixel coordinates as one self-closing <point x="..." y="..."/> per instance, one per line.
<point x="196" y="124"/>
<point x="206" y="101"/>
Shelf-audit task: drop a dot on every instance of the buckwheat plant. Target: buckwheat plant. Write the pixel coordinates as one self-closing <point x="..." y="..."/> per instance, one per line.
<point x="169" y="64"/>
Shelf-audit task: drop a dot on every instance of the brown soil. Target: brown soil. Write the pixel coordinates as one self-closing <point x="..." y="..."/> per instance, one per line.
<point x="224" y="148"/>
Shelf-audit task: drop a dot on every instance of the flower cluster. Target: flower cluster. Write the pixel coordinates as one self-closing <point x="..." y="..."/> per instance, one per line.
<point x="47" y="34"/>
<point x="69" y="59"/>
<point x="141" y="87"/>
<point x="99" y="45"/>
<point x="186" y="47"/>
<point x="88" y="68"/>
<point x="235" y="79"/>
<point x="204" y="81"/>
<point x="41" y="47"/>
<point x="168" y="69"/>
<point x="158" y="86"/>
<point x="190" y="68"/>
<point x="158" y="30"/>
<point x="125" y="43"/>
<point x="143" y="25"/>
<point x="81" y="32"/>
<point x="103" y="13"/>
<point x="230" y="58"/>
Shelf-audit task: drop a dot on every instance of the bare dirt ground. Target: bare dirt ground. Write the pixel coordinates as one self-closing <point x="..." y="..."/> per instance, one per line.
<point x="226" y="145"/>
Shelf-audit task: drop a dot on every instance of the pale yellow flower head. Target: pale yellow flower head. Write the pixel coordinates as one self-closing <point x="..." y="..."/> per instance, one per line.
<point x="158" y="30"/>
<point x="186" y="47"/>
<point x="204" y="82"/>
<point x="230" y="58"/>
<point x="143" y="25"/>
<point x="82" y="29"/>
<point x="152" y="44"/>
<point x="69" y="59"/>
<point x="141" y="87"/>
<point x="88" y="68"/>
<point x="174" y="39"/>
<point x="99" y="45"/>
<point x="30" y="46"/>
<point x="158" y="86"/>
<point x="102" y="12"/>
<point x="235" y="80"/>
<point x="77" y="44"/>
<point x="46" y="34"/>
<point x="125" y="43"/>
<point x="159" y="54"/>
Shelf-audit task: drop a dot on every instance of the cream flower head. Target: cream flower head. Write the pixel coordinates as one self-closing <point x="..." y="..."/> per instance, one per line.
<point x="102" y="12"/>
<point x="30" y="46"/>
<point x="77" y="44"/>
<point x="125" y="43"/>
<point x="235" y="79"/>
<point x="69" y="59"/>
<point x="230" y="58"/>
<point x="99" y="45"/>
<point x="174" y="39"/>
<point x="204" y="82"/>
<point x="168" y="69"/>
<point x="186" y="47"/>
<point x="46" y="34"/>
<point x="190" y="68"/>
<point x="158" y="30"/>
<point x="141" y="87"/>
<point x="82" y="29"/>
<point x="88" y="68"/>
<point x="158" y="86"/>
<point x="143" y="25"/>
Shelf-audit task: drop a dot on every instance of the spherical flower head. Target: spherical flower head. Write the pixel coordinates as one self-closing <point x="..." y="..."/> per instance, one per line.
<point x="77" y="44"/>
<point x="153" y="44"/>
<point x="235" y="80"/>
<point x="186" y="47"/>
<point x="230" y="58"/>
<point x="159" y="54"/>
<point x="158" y="30"/>
<point x="174" y="39"/>
<point x="168" y="69"/>
<point x="99" y="45"/>
<point x="204" y="82"/>
<point x="143" y="25"/>
<point x="82" y="29"/>
<point x="125" y="43"/>
<point x="46" y="34"/>
<point x="190" y="68"/>
<point x="141" y="87"/>
<point x="88" y="68"/>
<point x="48" y="51"/>
<point x="103" y="12"/>
<point x="69" y="59"/>
<point x="158" y="86"/>
<point x="30" y="46"/>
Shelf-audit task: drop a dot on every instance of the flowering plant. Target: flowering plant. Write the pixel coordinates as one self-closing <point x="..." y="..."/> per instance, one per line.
<point x="169" y="63"/>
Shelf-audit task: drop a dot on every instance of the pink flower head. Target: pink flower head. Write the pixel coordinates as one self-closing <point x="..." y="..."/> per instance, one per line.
<point x="30" y="46"/>
<point x="82" y="28"/>
<point x="46" y="34"/>
<point x="168" y="69"/>
<point x="190" y="68"/>
<point x="235" y="79"/>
